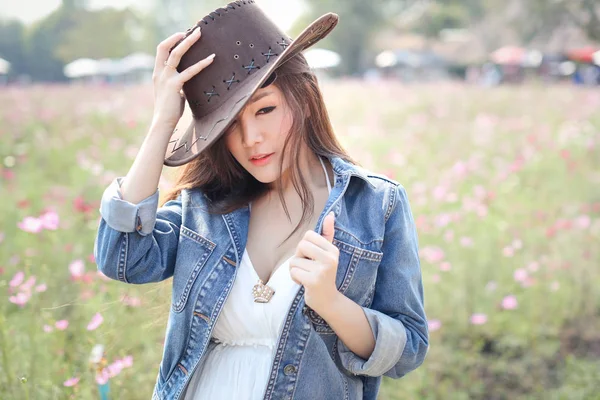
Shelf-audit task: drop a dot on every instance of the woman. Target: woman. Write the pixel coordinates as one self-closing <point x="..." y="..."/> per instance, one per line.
<point x="295" y="271"/>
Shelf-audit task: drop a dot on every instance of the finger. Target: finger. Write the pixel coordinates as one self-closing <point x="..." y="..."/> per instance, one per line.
<point x="328" y="227"/>
<point x="311" y="251"/>
<point x="192" y="70"/>
<point x="300" y="276"/>
<point x="302" y="263"/>
<point x="178" y="51"/>
<point x="162" y="50"/>
<point x="319" y="240"/>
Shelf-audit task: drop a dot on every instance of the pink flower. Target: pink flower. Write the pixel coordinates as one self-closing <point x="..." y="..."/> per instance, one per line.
<point x="533" y="266"/>
<point x="508" y="252"/>
<point x="478" y="319"/>
<point x="62" y="324"/>
<point x="115" y="368"/>
<point x="466" y="241"/>
<point x="17" y="279"/>
<point x="491" y="286"/>
<point x="71" y="382"/>
<point x="555" y="286"/>
<point x="432" y="254"/>
<point x="434" y="324"/>
<point x="77" y="268"/>
<point x="127" y="361"/>
<point x="41" y="287"/>
<point x="131" y="301"/>
<point x="583" y="221"/>
<point x="520" y="275"/>
<point x="49" y="220"/>
<point x="26" y="287"/>
<point x="448" y="236"/>
<point x="509" y="303"/>
<point x="31" y="224"/>
<point x="48" y="328"/>
<point x="445" y="266"/>
<point x="20" y="299"/>
<point x="102" y="376"/>
<point x="95" y="322"/>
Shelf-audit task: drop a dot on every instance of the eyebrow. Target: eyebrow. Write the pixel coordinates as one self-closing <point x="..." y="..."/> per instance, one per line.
<point x="258" y="97"/>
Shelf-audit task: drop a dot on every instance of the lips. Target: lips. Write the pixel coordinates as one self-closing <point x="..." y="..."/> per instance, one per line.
<point x="259" y="156"/>
<point x="261" y="159"/>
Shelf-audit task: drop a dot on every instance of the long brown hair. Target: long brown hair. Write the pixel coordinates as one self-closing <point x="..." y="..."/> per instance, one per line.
<point x="228" y="186"/>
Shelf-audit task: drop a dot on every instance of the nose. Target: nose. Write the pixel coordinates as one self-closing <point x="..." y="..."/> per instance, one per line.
<point x="251" y="134"/>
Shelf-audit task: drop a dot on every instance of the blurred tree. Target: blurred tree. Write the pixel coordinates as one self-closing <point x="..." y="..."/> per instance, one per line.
<point x="42" y="39"/>
<point x="541" y="17"/>
<point x="439" y="16"/>
<point x="359" y="21"/>
<point x="104" y="33"/>
<point x="12" y="36"/>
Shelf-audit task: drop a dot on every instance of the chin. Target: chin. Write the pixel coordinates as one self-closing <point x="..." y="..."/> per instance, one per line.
<point x="266" y="178"/>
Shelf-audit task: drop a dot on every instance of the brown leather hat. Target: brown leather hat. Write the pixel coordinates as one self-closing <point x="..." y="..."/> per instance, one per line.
<point x="248" y="47"/>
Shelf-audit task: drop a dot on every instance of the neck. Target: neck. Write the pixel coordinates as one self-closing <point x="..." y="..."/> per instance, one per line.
<point x="311" y="170"/>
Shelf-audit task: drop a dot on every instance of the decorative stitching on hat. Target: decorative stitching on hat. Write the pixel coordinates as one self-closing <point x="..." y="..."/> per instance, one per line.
<point x="269" y="54"/>
<point x="251" y="67"/>
<point x="231" y="81"/>
<point x="211" y="94"/>
<point x="283" y="43"/>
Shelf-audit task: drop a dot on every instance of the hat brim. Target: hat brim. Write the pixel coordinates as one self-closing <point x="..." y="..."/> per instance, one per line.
<point x="203" y="132"/>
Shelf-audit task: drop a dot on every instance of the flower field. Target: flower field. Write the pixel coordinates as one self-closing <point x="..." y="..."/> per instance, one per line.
<point x="504" y="185"/>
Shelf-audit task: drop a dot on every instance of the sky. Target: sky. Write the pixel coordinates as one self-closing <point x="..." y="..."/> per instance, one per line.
<point x="31" y="10"/>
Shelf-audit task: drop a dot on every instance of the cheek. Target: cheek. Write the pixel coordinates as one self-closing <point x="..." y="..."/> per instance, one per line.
<point x="233" y="144"/>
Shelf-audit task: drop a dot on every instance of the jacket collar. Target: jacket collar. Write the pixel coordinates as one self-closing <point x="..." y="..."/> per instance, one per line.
<point x="347" y="169"/>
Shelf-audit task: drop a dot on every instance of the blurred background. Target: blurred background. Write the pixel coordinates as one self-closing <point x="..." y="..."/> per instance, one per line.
<point x="487" y="112"/>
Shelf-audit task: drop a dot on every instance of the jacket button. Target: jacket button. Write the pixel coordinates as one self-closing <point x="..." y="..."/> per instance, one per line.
<point x="289" y="369"/>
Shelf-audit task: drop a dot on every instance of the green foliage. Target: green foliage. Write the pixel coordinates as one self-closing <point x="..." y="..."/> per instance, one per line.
<point x="359" y="21"/>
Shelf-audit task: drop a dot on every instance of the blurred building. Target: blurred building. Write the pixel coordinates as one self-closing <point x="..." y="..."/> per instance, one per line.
<point x="135" y="68"/>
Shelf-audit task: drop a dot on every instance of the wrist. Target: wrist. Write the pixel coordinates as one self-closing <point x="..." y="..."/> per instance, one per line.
<point x="161" y="127"/>
<point x="333" y="306"/>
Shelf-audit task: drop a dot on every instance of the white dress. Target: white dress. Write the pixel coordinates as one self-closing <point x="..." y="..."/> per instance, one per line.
<point x="246" y="333"/>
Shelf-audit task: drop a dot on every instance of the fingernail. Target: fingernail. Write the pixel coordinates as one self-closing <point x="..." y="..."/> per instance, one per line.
<point x="211" y="56"/>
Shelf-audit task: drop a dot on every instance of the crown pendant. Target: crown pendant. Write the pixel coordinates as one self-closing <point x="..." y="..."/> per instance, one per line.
<point x="262" y="293"/>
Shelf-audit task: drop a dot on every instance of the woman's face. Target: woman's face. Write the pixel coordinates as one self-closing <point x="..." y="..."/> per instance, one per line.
<point x="261" y="129"/>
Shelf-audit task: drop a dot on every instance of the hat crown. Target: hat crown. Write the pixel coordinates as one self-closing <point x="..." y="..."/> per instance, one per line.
<point x="243" y="39"/>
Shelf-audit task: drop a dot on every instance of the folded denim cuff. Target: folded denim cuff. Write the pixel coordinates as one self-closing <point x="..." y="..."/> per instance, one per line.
<point x="390" y="340"/>
<point x="124" y="216"/>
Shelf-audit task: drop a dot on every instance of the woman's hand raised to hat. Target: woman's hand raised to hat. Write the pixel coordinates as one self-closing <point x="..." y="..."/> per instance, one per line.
<point x="169" y="101"/>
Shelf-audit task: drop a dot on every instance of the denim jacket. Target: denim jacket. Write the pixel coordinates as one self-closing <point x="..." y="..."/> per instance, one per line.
<point x="378" y="268"/>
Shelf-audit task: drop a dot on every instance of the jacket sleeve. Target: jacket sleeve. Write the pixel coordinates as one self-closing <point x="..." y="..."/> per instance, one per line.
<point x="396" y="316"/>
<point x="137" y="243"/>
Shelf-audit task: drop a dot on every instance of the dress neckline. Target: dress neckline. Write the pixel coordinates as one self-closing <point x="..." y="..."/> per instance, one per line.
<point x="277" y="268"/>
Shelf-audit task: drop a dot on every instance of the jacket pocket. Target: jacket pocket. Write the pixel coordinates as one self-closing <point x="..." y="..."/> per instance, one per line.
<point x="194" y="251"/>
<point x="355" y="278"/>
<point x="357" y="271"/>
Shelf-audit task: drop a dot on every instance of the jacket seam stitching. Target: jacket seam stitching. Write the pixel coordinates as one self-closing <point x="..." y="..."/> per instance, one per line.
<point x="391" y="204"/>
<point x="123" y="258"/>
